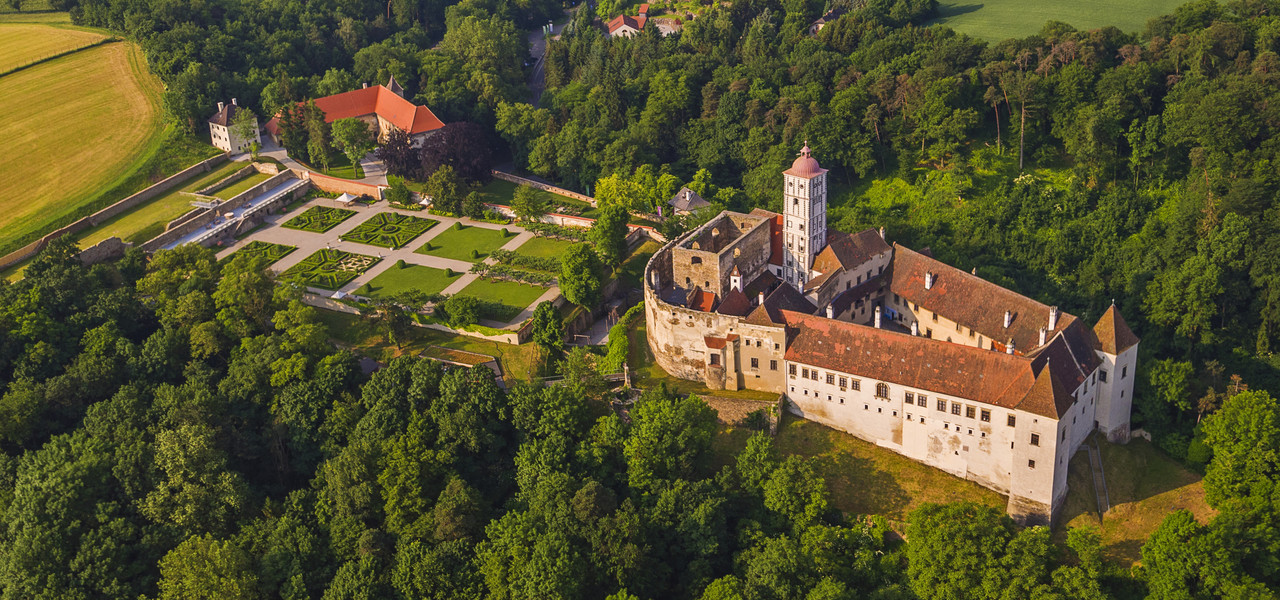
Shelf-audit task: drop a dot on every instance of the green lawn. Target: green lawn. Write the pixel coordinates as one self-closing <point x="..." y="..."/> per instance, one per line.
<point x="241" y="186"/>
<point x="514" y="297"/>
<point x="457" y="244"/>
<point x="339" y="166"/>
<point x="1143" y="485"/>
<point x="995" y="20"/>
<point x="542" y="247"/>
<point x="353" y="331"/>
<point x="218" y="173"/>
<point x="319" y="219"/>
<point x="329" y="269"/>
<point x="389" y="230"/>
<point x="395" y="281"/>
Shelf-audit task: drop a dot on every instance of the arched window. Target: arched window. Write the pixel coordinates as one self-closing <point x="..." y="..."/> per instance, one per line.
<point x="882" y="390"/>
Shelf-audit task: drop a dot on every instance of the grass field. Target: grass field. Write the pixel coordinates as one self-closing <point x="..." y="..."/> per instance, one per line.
<point x="319" y="219"/>
<point x="389" y="230"/>
<point x="393" y="282"/>
<point x="995" y="20"/>
<point x="148" y="220"/>
<point x="239" y="187"/>
<point x="1143" y="484"/>
<point x="354" y="332"/>
<point x="22" y="44"/>
<point x="515" y="297"/>
<point x="458" y="243"/>
<point x="542" y="247"/>
<point x="102" y="128"/>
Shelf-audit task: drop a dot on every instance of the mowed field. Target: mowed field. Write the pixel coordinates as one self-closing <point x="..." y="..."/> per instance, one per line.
<point x="995" y="20"/>
<point x="73" y="127"/>
<point x="22" y="43"/>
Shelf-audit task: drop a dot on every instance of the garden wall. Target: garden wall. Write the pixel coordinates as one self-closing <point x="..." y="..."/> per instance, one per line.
<point x="542" y="186"/>
<point x="189" y="222"/>
<point x="108" y="249"/>
<point x="160" y="187"/>
<point x="339" y="186"/>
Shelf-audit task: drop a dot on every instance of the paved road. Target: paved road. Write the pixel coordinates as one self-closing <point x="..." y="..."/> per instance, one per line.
<point x="309" y="242"/>
<point x="375" y="173"/>
<point x="538" y="50"/>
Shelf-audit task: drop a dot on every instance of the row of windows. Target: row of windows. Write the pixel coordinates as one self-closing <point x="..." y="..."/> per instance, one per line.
<point x="832" y="379"/>
<point x="755" y="364"/>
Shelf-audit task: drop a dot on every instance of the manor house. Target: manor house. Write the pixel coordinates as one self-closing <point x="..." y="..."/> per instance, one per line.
<point x="889" y="344"/>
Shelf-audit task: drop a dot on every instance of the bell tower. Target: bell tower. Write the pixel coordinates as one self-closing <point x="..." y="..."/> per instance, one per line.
<point x="804" y="213"/>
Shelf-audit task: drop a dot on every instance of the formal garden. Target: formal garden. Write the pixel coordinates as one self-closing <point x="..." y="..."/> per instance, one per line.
<point x="389" y="230"/>
<point x="329" y="269"/>
<point x="466" y="242"/>
<point x="507" y="298"/>
<point x="271" y="252"/>
<point x="402" y="278"/>
<point x="319" y="219"/>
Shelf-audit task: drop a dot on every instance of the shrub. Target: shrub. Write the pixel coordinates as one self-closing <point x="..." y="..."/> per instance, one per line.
<point x="460" y="311"/>
<point x="573" y="234"/>
<point x="458" y="225"/>
<point x="475" y="254"/>
<point x="400" y="264"/>
<point x="756" y="420"/>
<point x="618" y="343"/>
<point x="449" y="272"/>
<point x="505" y="233"/>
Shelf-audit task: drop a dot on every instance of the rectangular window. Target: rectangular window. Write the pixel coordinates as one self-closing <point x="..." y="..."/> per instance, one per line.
<point x="1012" y="420"/>
<point x="986" y="416"/>
<point x="1064" y="435"/>
<point x="792" y="369"/>
<point x="1031" y="464"/>
<point x="1124" y="372"/>
<point x="755" y="363"/>
<point x="1035" y="439"/>
<point x="922" y="400"/>
<point x="715" y="359"/>
<point x="844" y="382"/>
<point x="955" y="408"/>
<point x="969" y="411"/>
<point x="804" y="373"/>
<point x="831" y="379"/>
<point x="942" y="405"/>
<point x="855" y="385"/>
<point x="935" y="317"/>
<point x="1102" y="375"/>
<point x="773" y="365"/>
<point x="911" y="398"/>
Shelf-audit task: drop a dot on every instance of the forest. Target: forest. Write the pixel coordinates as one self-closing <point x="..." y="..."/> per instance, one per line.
<point x="174" y="427"/>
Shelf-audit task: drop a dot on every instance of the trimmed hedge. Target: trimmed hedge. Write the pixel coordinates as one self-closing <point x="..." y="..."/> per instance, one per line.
<point x="536" y="263"/>
<point x="511" y="273"/>
<point x="573" y="234"/>
<point x="618" y="342"/>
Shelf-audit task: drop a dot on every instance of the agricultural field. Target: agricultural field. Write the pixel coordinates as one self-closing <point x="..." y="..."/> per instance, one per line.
<point x="329" y="269"/>
<point x="22" y="43"/>
<point x="458" y="244"/>
<point x="108" y="125"/>
<point x="389" y="230"/>
<point x="271" y="252"/>
<point x="395" y="281"/>
<point x="514" y="297"/>
<point x="995" y="20"/>
<point x="319" y="219"/>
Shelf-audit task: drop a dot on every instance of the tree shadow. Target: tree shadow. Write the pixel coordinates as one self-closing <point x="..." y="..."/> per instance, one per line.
<point x="857" y="486"/>
<point x="954" y="10"/>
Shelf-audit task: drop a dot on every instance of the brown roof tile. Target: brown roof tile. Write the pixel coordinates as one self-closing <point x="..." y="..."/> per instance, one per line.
<point x="1047" y="396"/>
<point x="735" y="303"/>
<point x="1114" y="335"/>
<point x="970" y="300"/>
<point x="849" y="250"/>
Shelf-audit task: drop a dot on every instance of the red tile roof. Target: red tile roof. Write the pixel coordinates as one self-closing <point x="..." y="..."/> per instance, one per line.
<point x="995" y="378"/>
<point x="735" y="303"/>
<point x="379" y="100"/>
<point x="1114" y="335"/>
<point x="701" y="300"/>
<point x="714" y="343"/>
<point x="849" y="250"/>
<point x="970" y="300"/>
<point x="636" y="23"/>
<point x="784" y="297"/>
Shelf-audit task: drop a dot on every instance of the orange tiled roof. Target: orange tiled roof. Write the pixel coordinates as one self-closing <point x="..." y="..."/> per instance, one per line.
<point x="379" y="100"/>
<point x="1114" y="335"/>
<point x="701" y="300"/>
<point x="619" y="21"/>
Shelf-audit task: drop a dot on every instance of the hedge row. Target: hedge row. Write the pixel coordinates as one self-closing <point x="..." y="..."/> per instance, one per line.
<point x="511" y="273"/>
<point x="551" y="230"/>
<point x="537" y="263"/>
<point x="618" y="342"/>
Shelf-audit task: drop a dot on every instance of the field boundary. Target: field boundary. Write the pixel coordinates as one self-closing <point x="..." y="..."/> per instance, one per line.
<point x="39" y="61"/>
<point x="113" y="210"/>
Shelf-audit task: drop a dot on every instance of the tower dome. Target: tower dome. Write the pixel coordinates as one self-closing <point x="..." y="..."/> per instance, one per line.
<point x="805" y="165"/>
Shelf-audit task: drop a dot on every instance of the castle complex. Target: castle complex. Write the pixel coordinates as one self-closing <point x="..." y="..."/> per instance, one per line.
<point x="890" y="345"/>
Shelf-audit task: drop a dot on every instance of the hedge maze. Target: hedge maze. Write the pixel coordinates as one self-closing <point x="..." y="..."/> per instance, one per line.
<point x="329" y="269"/>
<point x="319" y="219"/>
<point x="267" y="250"/>
<point x="389" y="230"/>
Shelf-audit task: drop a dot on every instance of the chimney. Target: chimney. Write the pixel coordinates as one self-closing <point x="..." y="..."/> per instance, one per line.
<point x="831" y="312"/>
<point x="928" y="280"/>
<point x="760" y="299"/>
<point x="877" y="317"/>
<point x="882" y="233"/>
<point x="1008" y="319"/>
<point x="1053" y="317"/>
<point x="221" y="106"/>
<point x="366" y="84"/>
<point x="915" y="328"/>
<point x="1009" y="348"/>
<point x="974" y="271"/>
<point x="234" y="103"/>
<point x="1044" y="334"/>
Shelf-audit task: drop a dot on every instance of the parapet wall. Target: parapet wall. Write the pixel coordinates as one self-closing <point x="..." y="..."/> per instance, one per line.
<point x="542" y="186"/>
<point x="335" y="185"/>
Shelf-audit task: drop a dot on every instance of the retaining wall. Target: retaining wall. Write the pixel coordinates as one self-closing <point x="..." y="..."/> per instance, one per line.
<point x="228" y="180"/>
<point x="185" y="224"/>
<point x="108" y="249"/>
<point x="336" y="185"/>
<point x="542" y="186"/>
<point x="155" y="190"/>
